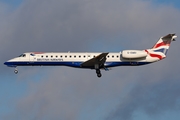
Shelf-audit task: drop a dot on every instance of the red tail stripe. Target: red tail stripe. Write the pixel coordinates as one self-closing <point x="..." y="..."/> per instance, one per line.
<point x="161" y="44"/>
<point x="155" y="55"/>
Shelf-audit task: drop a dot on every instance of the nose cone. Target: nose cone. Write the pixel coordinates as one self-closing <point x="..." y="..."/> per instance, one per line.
<point x="5" y="63"/>
<point x="9" y="63"/>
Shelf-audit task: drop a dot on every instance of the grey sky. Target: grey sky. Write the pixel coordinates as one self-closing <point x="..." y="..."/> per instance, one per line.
<point x="88" y="25"/>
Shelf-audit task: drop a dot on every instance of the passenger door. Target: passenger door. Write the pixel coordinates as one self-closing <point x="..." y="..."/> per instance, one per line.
<point x="88" y="56"/>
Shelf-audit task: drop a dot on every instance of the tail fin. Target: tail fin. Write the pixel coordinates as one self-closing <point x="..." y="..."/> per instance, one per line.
<point x="163" y="43"/>
<point x="159" y="50"/>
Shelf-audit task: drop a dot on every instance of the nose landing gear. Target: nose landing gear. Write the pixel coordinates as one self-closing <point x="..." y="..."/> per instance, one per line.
<point x="16" y="71"/>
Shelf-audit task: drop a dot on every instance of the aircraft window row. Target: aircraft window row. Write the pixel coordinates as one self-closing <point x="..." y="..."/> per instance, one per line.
<point x="70" y="56"/>
<point x="64" y="56"/>
<point x="112" y="56"/>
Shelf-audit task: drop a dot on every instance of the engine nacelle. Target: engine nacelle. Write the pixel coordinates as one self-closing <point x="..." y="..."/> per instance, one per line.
<point x="133" y="54"/>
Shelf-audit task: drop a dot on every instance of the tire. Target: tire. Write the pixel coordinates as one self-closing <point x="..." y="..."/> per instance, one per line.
<point x="99" y="75"/>
<point x="16" y="71"/>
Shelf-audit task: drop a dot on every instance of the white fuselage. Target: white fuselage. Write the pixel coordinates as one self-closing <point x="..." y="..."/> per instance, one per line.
<point x="74" y="59"/>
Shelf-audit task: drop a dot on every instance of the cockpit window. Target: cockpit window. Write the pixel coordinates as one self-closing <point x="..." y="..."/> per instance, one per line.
<point x="22" y="55"/>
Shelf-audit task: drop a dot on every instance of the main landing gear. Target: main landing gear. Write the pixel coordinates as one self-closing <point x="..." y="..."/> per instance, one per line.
<point x="98" y="72"/>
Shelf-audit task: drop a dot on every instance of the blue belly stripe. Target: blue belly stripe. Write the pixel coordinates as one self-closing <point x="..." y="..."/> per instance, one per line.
<point x="72" y="64"/>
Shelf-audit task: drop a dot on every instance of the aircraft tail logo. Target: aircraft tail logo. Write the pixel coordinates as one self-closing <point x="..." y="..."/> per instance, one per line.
<point x="159" y="50"/>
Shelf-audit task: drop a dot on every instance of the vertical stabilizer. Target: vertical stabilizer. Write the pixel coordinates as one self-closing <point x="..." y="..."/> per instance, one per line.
<point x="159" y="50"/>
<point x="163" y="43"/>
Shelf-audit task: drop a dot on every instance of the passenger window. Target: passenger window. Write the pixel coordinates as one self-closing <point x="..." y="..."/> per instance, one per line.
<point x="70" y="56"/>
<point x="79" y="56"/>
<point x="47" y="56"/>
<point x="84" y="56"/>
<point x="51" y="56"/>
<point x="74" y="56"/>
<point x="61" y="56"/>
<point x="56" y="56"/>
<point x="113" y="56"/>
<point x="117" y="56"/>
<point x="65" y="56"/>
<point x="42" y="56"/>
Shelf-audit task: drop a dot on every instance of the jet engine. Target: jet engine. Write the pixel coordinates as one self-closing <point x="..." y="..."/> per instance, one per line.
<point x="133" y="54"/>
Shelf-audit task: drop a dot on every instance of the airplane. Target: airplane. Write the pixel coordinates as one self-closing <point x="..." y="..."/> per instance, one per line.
<point x="97" y="61"/>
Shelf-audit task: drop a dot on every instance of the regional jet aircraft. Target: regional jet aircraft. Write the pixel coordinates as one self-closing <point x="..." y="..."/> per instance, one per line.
<point x="97" y="61"/>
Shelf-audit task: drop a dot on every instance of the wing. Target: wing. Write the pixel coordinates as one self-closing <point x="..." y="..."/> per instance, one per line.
<point x="98" y="60"/>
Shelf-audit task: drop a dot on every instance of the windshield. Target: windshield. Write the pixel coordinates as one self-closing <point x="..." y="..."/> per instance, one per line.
<point x="22" y="55"/>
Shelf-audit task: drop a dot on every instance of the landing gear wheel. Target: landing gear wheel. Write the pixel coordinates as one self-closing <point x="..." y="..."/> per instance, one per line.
<point x="98" y="72"/>
<point x="16" y="71"/>
<point x="99" y="75"/>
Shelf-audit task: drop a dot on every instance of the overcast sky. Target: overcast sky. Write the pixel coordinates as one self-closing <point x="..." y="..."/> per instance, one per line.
<point x="127" y="93"/>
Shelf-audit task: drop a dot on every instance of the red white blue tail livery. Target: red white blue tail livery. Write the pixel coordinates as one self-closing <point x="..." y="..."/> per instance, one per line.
<point x="97" y="61"/>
